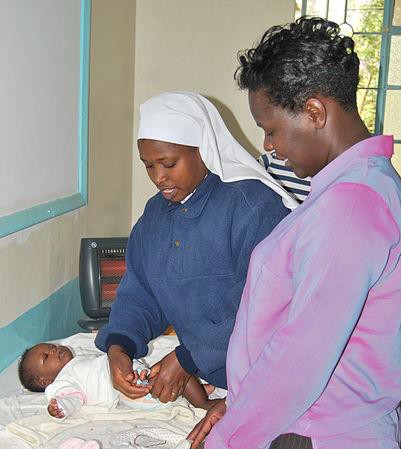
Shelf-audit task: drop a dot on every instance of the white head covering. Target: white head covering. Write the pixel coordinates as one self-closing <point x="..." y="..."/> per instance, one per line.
<point x="187" y="118"/>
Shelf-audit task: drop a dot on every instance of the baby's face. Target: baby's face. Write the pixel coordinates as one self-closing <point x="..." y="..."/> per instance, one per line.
<point x="47" y="360"/>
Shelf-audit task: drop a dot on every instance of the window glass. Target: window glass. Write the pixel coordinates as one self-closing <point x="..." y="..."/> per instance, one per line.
<point x="298" y="8"/>
<point x="396" y="159"/>
<point x="337" y="11"/>
<point x="397" y="13"/>
<point x="365" y="16"/>
<point x="392" y="122"/>
<point x="316" y="8"/>
<point x="394" y="74"/>
<point x="368" y="49"/>
<point x="366" y="99"/>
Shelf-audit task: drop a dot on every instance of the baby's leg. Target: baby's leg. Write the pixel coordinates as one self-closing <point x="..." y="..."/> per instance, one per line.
<point x="209" y="388"/>
<point x="195" y="393"/>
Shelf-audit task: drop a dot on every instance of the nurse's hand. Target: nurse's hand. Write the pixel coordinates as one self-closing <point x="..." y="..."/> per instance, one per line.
<point x="204" y="426"/>
<point x="168" y="378"/>
<point x="123" y="377"/>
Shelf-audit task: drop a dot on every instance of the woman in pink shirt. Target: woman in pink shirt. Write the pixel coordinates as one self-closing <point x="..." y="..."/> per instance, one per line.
<point x="314" y="360"/>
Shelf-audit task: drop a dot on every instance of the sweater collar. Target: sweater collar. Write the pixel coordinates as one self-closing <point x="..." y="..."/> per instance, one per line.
<point x="371" y="147"/>
<point x="194" y="205"/>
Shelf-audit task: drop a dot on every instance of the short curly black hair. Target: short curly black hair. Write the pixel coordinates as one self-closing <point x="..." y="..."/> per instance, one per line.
<point x="302" y="59"/>
<point x="28" y="378"/>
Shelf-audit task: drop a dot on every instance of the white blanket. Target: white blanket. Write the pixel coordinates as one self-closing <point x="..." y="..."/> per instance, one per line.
<point x="24" y="422"/>
<point x="39" y="429"/>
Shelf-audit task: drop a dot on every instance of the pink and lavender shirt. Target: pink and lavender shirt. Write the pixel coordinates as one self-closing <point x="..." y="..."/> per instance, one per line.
<point x="316" y="348"/>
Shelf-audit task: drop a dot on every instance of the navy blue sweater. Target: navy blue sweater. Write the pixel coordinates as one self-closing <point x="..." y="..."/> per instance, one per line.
<point x="186" y="266"/>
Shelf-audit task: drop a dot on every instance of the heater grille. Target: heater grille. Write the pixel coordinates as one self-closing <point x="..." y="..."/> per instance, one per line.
<point x="112" y="269"/>
<point x="101" y="268"/>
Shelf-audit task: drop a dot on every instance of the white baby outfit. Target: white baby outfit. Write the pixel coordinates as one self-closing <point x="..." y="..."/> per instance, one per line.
<point x="86" y="380"/>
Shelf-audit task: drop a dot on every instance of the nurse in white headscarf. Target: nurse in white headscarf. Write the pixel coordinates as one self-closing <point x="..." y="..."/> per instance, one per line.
<point x="187" y="118"/>
<point x="188" y="254"/>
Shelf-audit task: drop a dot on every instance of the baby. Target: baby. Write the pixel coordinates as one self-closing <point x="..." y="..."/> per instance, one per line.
<point x="71" y="381"/>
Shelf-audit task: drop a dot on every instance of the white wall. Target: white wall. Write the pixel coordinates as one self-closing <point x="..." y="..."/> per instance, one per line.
<point x="37" y="261"/>
<point x="39" y="93"/>
<point x="177" y="44"/>
<point x="192" y="45"/>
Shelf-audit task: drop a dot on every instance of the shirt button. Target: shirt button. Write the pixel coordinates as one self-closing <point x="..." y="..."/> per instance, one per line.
<point x="177" y="243"/>
<point x="170" y="203"/>
<point x="184" y="209"/>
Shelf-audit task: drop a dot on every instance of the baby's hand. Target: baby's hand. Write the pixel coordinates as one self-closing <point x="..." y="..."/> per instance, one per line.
<point x="54" y="409"/>
<point x="141" y="379"/>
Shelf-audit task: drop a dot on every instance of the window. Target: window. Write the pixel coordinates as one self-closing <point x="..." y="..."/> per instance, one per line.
<point x="375" y="25"/>
<point x="44" y="110"/>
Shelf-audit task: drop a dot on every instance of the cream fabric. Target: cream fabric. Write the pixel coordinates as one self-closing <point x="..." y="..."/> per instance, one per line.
<point x="37" y="430"/>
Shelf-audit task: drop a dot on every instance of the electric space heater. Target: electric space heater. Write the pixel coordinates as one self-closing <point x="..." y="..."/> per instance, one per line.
<point x="101" y="267"/>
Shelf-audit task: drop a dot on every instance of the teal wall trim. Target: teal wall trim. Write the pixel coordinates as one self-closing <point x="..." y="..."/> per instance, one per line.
<point x="37" y="214"/>
<point x="54" y="318"/>
<point x="83" y="116"/>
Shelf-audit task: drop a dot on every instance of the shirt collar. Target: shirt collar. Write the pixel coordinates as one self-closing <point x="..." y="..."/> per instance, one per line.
<point x="195" y="202"/>
<point x="189" y="196"/>
<point x="371" y="147"/>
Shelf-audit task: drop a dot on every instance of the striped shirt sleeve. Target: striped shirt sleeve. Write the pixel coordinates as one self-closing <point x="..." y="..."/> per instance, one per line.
<point x="300" y="188"/>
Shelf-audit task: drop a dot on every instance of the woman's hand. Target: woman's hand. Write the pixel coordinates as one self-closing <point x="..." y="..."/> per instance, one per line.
<point x="168" y="378"/>
<point x="204" y="426"/>
<point x="123" y="377"/>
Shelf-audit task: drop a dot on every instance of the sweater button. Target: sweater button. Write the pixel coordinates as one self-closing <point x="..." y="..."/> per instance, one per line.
<point x="177" y="243"/>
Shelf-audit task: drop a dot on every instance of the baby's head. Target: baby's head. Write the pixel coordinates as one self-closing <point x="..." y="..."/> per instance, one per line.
<point x="40" y="365"/>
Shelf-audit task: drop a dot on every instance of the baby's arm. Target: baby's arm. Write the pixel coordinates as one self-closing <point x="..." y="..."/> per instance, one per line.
<point x="55" y="410"/>
<point x="195" y="393"/>
<point x="60" y="407"/>
<point x="65" y="397"/>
